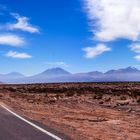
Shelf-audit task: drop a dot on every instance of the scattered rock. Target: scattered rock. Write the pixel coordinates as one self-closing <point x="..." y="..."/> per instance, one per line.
<point x="53" y="100"/>
<point x="30" y="101"/>
<point x="129" y="110"/>
<point x="101" y="102"/>
<point x="122" y="103"/>
<point x="107" y="99"/>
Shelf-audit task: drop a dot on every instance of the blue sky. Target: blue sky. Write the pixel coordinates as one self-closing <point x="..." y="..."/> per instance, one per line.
<point x="77" y="35"/>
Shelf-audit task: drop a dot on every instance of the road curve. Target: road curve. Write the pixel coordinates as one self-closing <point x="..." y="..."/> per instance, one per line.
<point x="14" y="127"/>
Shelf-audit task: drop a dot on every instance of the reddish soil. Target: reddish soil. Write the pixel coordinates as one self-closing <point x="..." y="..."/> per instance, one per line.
<point x="82" y="111"/>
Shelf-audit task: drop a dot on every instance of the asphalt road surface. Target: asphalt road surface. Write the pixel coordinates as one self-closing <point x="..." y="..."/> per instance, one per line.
<point x="14" y="128"/>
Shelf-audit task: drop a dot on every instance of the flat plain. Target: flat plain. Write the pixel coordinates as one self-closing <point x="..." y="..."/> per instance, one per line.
<point x="82" y="111"/>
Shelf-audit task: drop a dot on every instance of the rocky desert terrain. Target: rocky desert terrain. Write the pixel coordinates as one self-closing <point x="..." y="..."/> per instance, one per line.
<point x="82" y="111"/>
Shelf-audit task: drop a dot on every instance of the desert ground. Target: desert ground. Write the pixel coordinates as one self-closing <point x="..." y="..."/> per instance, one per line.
<point x="81" y="111"/>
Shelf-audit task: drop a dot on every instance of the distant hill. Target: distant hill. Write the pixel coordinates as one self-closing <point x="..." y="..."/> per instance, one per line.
<point x="125" y="74"/>
<point x="49" y="75"/>
<point x="124" y="71"/>
<point x="54" y="72"/>
<point x="11" y="76"/>
<point x="14" y="75"/>
<point x="61" y="75"/>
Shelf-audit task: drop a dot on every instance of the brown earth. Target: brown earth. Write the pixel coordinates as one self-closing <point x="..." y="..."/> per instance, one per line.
<point x="82" y="111"/>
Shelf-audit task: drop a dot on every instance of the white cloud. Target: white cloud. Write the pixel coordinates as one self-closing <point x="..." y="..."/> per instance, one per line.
<point x="22" y="24"/>
<point x="92" y="52"/>
<point x="11" y="39"/>
<point x="18" y="55"/>
<point x="137" y="57"/>
<point x="114" y="19"/>
<point x="59" y="63"/>
<point x="135" y="48"/>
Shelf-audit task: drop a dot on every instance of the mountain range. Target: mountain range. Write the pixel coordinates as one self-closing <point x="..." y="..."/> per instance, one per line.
<point x="61" y="75"/>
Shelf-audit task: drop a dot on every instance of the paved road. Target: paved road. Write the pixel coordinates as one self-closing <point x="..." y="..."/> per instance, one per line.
<point x="13" y="128"/>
